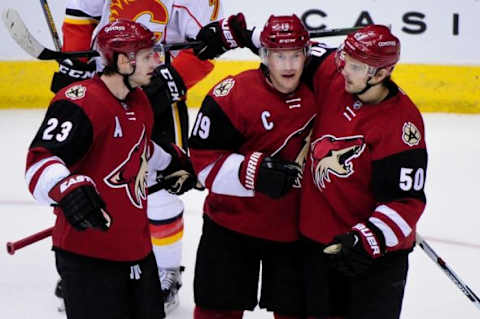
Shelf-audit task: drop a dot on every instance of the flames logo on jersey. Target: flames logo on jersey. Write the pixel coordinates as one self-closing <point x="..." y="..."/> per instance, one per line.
<point x="410" y="134"/>
<point x="132" y="172"/>
<point x="153" y="14"/>
<point x="332" y="155"/>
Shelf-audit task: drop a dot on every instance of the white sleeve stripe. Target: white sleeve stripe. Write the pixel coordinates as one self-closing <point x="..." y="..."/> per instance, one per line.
<point x="227" y="182"/>
<point x="256" y="37"/>
<point x="160" y="159"/>
<point x="396" y="218"/>
<point x="202" y="176"/>
<point x="391" y="239"/>
<point x="49" y="177"/>
<point x="35" y="167"/>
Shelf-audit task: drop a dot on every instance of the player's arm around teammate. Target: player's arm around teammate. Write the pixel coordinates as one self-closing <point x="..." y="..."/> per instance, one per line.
<point x="363" y="187"/>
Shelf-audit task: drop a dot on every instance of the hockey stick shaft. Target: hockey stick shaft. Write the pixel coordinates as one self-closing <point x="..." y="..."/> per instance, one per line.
<point x="14" y="246"/>
<point x="448" y="271"/>
<point x="19" y="32"/>
<point x="332" y="32"/>
<point x="51" y="24"/>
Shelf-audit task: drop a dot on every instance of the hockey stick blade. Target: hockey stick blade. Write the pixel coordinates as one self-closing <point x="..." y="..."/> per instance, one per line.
<point x="19" y="32"/>
<point x="332" y="32"/>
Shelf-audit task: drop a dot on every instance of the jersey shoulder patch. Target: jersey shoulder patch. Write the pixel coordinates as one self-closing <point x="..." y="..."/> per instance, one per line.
<point x="223" y="88"/>
<point x="411" y="134"/>
<point x="76" y="92"/>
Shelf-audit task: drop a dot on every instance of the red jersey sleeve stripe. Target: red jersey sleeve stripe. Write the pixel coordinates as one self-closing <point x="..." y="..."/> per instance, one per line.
<point x="37" y="167"/>
<point x="391" y="239"/>
<point x="189" y="13"/>
<point x="396" y="218"/>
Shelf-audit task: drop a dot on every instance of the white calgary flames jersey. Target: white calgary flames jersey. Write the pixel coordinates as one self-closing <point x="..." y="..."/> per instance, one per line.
<point x="170" y="20"/>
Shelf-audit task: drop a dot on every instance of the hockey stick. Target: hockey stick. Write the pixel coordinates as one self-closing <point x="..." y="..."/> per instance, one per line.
<point x="335" y="248"/>
<point x="19" y="32"/>
<point x="447" y="270"/>
<point x="333" y="32"/>
<point x="51" y="24"/>
<point x="13" y="246"/>
<point x="19" y="244"/>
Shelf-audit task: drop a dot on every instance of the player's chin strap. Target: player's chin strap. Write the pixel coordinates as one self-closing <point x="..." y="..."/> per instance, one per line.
<point x="126" y="81"/>
<point x="127" y="76"/>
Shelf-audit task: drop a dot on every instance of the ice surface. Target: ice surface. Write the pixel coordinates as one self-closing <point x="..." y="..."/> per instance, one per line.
<point x="27" y="279"/>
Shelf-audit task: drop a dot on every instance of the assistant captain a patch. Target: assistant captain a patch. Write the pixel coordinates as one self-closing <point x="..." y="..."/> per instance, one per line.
<point x="224" y="87"/>
<point x="76" y="92"/>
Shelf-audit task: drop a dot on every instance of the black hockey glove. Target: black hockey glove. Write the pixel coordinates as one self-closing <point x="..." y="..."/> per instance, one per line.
<point x="179" y="176"/>
<point x="80" y="203"/>
<point x="353" y="253"/>
<point x="69" y="71"/>
<point x="220" y="36"/>
<point x="273" y="177"/>
<point x="166" y="83"/>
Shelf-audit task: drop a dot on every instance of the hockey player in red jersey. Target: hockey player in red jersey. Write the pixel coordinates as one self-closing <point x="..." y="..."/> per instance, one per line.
<point x="171" y="21"/>
<point x="89" y="159"/>
<point x="363" y="185"/>
<point x="247" y="147"/>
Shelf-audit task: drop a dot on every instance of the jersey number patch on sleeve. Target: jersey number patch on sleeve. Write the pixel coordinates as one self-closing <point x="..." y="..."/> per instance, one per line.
<point x="410" y="179"/>
<point x="202" y="126"/>
<point x="52" y="124"/>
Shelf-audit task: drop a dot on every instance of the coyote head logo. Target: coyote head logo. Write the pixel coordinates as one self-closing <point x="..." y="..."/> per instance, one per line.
<point x="330" y="154"/>
<point x="132" y="172"/>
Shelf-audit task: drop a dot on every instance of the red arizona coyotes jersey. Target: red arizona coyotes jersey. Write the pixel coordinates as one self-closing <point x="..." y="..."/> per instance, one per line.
<point x="88" y="131"/>
<point x="366" y="163"/>
<point x="243" y="114"/>
<point x="170" y="20"/>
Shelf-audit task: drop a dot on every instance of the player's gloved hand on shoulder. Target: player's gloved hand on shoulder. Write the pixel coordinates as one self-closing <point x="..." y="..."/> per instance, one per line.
<point x="270" y="176"/>
<point x="353" y="253"/>
<point x="71" y="70"/>
<point x="223" y="35"/>
<point x="80" y="203"/>
<point x="166" y="83"/>
<point x="178" y="177"/>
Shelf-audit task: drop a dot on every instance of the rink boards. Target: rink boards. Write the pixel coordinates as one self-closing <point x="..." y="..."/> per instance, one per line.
<point x="434" y="88"/>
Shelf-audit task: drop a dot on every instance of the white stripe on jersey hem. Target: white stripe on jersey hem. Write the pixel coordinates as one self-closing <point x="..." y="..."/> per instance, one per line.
<point x="35" y="167"/>
<point x="391" y="239"/>
<point x="396" y="218"/>
<point x="50" y="176"/>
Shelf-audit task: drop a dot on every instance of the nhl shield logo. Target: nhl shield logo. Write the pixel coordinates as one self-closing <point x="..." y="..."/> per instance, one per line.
<point x="76" y="92"/>
<point x="224" y="87"/>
